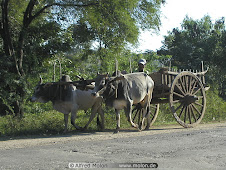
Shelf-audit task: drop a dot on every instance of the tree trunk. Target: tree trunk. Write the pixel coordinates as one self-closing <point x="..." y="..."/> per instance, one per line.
<point x="10" y="53"/>
<point x="15" y="54"/>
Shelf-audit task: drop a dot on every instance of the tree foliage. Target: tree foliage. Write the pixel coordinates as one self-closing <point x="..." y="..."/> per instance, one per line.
<point x="196" y="41"/>
<point x="114" y="24"/>
<point x="32" y="31"/>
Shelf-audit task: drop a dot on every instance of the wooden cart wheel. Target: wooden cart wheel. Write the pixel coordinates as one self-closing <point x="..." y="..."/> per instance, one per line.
<point x="138" y="113"/>
<point x="187" y="99"/>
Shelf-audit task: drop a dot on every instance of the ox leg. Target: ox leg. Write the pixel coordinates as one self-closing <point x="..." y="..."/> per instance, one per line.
<point x="128" y="111"/>
<point x="101" y="113"/>
<point x="96" y="108"/>
<point x="93" y="114"/>
<point x="118" y="121"/>
<point x="65" y="122"/>
<point x="144" y="104"/>
<point x="73" y="116"/>
<point x="146" y="113"/>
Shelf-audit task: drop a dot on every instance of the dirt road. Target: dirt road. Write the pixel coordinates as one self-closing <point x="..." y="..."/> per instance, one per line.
<point x="171" y="147"/>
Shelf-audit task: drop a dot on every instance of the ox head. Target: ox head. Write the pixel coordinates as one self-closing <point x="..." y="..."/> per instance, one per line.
<point x="100" y="83"/>
<point x="106" y="86"/>
<point x="40" y="93"/>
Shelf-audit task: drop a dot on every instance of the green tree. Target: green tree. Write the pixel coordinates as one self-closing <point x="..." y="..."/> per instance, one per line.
<point x="199" y="40"/>
<point x="114" y="24"/>
<point x="33" y="30"/>
<point x="29" y="33"/>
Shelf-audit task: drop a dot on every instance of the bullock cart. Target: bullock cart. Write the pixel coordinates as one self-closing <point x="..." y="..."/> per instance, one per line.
<point x="183" y="90"/>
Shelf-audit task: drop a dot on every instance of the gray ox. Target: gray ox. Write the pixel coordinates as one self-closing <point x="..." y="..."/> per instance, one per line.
<point x="123" y="91"/>
<point x="66" y="99"/>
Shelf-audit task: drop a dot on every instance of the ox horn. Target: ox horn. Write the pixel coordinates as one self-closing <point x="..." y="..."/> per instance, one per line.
<point x="40" y="81"/>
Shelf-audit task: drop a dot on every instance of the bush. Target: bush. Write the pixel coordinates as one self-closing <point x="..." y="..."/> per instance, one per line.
<point x="216" y="107"/>
<point x="165" y="115"/>
<point x="32" y="124"/>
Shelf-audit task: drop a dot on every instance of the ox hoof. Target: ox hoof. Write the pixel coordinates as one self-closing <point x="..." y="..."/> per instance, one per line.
<point x="101" y="128"/>
<point x="139" y="130"/>
<point x="116" y="131"/>
<point x="83" y="129"/>
<point x="79" y="128"/>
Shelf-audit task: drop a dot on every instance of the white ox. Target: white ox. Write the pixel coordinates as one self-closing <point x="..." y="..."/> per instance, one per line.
<point x="67" y="99"/>
<point x="124" y="91"/>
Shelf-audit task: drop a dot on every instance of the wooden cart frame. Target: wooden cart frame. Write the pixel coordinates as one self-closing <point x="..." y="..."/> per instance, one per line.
<point x="183" y="90"/>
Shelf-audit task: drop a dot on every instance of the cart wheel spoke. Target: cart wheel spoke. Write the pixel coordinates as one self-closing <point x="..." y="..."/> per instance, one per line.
<point x="185" y="114"/>
<point x="189" y="114"/>
<point x="189" y="84"/>
<point x="134" y="117"/>
<point x="180" y="89"/>
<point x="196" y="109"/>
<point x="181" y="112"/>
<point x="139" y="114"/>
<point x="176" y="101"/>
<point x="197" y="91"/>
<point x="187" y="99"/>
<point x="145" y="119"/>
<point x="194" y="85"/>
<point x="182" y="85"/>
<point x="192" y="112"/>
<point x="186" y="83"/>
<point x="153" y="106"/>
<point x="179" y="107"/>
<point x="179" y="95"/>
<point x="199" y="104"/>
<point x="152" y="114"/>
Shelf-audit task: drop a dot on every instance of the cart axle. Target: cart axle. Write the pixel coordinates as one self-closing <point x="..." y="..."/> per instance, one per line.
<point x="188" y="99"/>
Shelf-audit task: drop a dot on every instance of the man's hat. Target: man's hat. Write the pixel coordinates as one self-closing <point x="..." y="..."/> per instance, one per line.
<point x="142" y="61"/>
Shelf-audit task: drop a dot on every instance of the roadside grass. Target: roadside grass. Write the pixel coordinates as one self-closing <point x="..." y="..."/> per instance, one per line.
<point x="39" y="122"/>
<point x="52" y="122"/>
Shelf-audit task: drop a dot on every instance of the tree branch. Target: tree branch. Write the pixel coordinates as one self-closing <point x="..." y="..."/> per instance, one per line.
<point x="28" y="18"/>
<point x="28" y="13"/>
<point x="5" y="34"/>
<point x="63" y="5"/>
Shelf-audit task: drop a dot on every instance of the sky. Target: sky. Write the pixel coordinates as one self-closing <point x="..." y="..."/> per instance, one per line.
<point x="173" y="14"/>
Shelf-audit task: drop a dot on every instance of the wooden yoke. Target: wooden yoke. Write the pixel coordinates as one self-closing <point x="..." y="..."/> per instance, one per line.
<point x="86" y="84"/>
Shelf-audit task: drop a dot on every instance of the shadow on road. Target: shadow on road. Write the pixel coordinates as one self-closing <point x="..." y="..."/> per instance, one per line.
<point x="60" y="135"/>
<point x="85" y="133"/>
